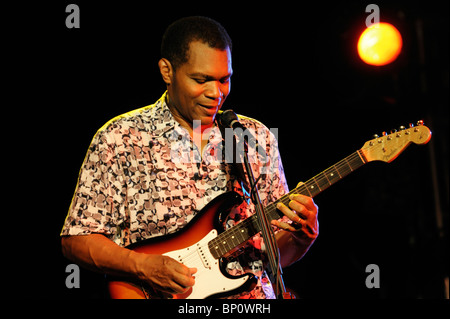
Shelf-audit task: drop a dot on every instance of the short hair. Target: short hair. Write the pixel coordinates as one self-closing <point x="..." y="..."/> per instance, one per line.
<point x="178" y="36"/>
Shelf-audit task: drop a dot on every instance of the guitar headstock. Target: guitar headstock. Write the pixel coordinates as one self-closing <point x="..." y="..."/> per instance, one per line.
<point x="387" y="147"/>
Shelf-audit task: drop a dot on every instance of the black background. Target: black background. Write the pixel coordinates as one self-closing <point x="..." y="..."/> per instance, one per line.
<point x="296" y="69"/>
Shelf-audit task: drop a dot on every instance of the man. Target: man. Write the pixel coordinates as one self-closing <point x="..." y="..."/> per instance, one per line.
<point x="137" y="182"/>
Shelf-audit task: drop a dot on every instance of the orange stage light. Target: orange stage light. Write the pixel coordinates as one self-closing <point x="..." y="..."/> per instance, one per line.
<point x="380" y="44"/>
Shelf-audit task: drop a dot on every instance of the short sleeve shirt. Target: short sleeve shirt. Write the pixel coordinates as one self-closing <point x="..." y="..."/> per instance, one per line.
<point x="143" y="176"/>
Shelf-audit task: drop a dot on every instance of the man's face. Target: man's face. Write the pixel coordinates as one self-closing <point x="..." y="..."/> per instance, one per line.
<point x="199" y="87"/>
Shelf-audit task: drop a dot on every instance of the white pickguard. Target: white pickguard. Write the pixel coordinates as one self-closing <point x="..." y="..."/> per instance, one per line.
<point x="209" y="280"/>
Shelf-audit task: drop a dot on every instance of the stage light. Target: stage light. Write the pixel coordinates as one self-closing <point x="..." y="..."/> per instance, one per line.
<point x="379" y="44"/>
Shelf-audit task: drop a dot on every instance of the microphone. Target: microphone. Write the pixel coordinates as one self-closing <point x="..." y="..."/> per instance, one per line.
<point x="229" y="119"/>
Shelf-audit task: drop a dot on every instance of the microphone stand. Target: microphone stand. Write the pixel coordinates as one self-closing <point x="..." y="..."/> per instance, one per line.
<point x="273" y="253"/>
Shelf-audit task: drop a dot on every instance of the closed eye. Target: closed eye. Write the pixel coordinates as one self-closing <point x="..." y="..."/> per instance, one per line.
<point x="225" y="79"/>
<point x="200" y="81"/>
<point x="203" y="78"/>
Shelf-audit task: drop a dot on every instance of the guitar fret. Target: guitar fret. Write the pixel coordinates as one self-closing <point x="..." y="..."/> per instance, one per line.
<point x="312" y="186"/>
<point x="349" y="165"/>
<point x="233" y="237"/>
<point x="306" y="188"/>
<point x="332" y="174"/>
<point x="337" y="171"/>
<point x="345" y="168"/>
<point x="322" y="182"/>
<point x="237" y="235"/>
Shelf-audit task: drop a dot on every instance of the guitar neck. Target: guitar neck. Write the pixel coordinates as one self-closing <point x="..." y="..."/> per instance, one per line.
<point x="240" y="233"/>
<point x="323" y="180"/>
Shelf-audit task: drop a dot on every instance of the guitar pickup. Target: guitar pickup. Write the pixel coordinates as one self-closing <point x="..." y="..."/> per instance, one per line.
<point x="203" y="256"/>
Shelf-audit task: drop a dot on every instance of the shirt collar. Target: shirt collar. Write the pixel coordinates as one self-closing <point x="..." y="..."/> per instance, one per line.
<point x="165" y="122"/>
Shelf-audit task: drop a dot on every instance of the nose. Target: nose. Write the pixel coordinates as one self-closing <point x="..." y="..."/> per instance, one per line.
<point x="213" y="91"/>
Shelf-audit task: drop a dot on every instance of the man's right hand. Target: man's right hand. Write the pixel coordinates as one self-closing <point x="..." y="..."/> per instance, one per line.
<point x="165" y="274"/>
<point x="98" y="253"/>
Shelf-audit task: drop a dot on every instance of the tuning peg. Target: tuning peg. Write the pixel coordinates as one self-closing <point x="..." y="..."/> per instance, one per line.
<point x="411" y="125"/>
<point x="384" y="133"/>
<point x="375" y="136"/>
<point x="420" y="123"/>
<point x="402" y="128"/>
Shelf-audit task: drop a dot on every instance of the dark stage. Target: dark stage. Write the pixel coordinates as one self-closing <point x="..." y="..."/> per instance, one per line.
<point x="296" y="68"/>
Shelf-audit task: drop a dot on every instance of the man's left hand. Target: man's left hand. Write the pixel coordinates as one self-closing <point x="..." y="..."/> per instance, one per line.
<point x="302" y="212"/>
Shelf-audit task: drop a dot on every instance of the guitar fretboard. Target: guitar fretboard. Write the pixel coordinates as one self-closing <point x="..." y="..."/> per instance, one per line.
<point x="240" y="233"/>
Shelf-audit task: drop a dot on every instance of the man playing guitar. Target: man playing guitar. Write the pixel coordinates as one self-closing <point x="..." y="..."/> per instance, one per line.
<point x="149" y="172"/>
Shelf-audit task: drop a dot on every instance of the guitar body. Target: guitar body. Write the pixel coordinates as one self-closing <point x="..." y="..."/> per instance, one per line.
<point x="190" y="247"/>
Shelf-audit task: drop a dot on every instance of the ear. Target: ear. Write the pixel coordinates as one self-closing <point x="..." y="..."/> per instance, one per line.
<point x="166" y="69"/>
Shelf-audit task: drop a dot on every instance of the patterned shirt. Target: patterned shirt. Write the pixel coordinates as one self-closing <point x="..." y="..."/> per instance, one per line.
<point x="143" y="176"/>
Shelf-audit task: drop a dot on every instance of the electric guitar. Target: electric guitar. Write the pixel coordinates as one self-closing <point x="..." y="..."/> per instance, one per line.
<point x="200" y="245"/>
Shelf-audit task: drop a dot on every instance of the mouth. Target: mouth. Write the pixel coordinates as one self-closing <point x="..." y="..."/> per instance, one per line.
<point x="210" y="109"/>
<point x="209" y="106"/>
